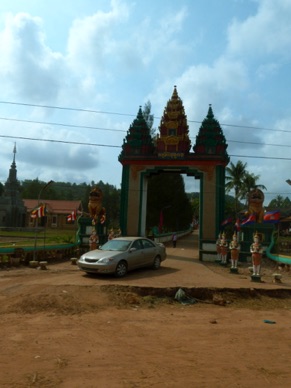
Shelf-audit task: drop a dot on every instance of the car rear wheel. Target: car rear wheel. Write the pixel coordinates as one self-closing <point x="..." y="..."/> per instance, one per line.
<point x="157" y="262"/>
<point x="121" y="269"/>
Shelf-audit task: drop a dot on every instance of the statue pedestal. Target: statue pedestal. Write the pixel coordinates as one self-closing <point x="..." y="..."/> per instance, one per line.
<point x="277" y="278"/>
<point x="74" y="260"/>
<point x="85" y="229"/>
<point x="256" y="278"/>
<point x="43" y="264"/>
<point x="233" y="270"/>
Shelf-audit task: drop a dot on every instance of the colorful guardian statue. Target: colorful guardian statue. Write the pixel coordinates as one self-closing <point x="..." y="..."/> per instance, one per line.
<point x="234" y="247"/>
<point x="93" y="240"/>
<point x="255" y="205"/>
<point x="218" y="249"/>
<point x="223" y="249"/>
<point x="96" y="210"/>
<point x="256" y="250"/>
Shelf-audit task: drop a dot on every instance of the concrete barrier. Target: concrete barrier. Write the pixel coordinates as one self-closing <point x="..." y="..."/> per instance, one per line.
<point x="162" y="238"/>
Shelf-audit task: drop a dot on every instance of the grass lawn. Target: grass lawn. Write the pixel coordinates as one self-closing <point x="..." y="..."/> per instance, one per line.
<point x="27" y="238"/>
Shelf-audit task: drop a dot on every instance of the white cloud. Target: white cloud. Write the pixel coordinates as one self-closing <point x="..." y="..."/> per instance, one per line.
<point x="91" y="43"/>
<point x="201" y="85"/>
<point x="28" y="68"/>
<point x="265" y="33"/>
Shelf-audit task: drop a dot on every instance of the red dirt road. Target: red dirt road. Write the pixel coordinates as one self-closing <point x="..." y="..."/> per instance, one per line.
<point x="61" y="328"/>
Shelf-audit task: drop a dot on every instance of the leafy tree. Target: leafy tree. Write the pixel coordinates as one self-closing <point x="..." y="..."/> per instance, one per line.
<point x="241" y="181"/>
<point x="249" y="183"/>
<point x="195" y="204"/>
<point x="280" y="203"/>
<point x="33" y="188"/>
<point x="286" y="203"/>
<point x="149" y="117"/>
<point x="166" y="193"/>
<point x="234" y="178"/>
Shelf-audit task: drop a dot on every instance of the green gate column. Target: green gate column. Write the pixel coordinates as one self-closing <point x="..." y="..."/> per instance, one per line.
<point x="124" y="199"/>
<point x="133" y="202"/>
<point x="220" y="197"/>
<point x="208" y="206"/>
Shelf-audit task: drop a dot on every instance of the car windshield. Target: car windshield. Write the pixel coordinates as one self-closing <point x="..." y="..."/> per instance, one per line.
<point x="115" y="245"/>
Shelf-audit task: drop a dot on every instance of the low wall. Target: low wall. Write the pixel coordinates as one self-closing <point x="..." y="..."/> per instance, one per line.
<point x="161" y="238"/>
<point x="51" y="253"/>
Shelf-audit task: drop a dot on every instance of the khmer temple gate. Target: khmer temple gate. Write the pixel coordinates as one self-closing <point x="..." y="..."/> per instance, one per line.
<point x="141" y="157"/>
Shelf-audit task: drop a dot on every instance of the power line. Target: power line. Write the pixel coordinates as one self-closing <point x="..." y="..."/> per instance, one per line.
<point x="128" y="114"/>
<point x="115" y="146"/>
<point x="60" y="124"/>
<point x="259" y="157"/>
<point x="254" y="143"/>
<point x="59" y="141"/>
<point x="67" y="108"/>
<point x="121" y="130"/>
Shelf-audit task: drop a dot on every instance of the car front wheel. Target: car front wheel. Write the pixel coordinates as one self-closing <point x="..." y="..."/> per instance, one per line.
<point x="121" y="269"/>
<point x="157" y="262"/>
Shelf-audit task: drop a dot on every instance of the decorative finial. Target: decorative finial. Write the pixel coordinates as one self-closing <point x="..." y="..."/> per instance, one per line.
<point x="14" y="152"/>
<point x="175" y="93"/>
<point x="210" y="114"/>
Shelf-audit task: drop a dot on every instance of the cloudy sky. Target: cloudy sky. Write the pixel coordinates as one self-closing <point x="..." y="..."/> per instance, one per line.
<point x="74" y="73"/>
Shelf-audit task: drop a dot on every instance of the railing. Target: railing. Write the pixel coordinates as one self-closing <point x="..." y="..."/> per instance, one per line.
<point x="165" y="237"/>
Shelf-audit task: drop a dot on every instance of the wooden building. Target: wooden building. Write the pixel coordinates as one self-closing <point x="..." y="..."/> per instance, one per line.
<point x="56" y="213"/>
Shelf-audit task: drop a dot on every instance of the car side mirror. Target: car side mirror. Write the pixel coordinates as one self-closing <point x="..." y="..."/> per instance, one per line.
<point x="132" y="249"/>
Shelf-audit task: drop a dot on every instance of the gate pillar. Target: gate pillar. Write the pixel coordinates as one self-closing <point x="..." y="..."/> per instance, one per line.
<point x="133" y="200"/>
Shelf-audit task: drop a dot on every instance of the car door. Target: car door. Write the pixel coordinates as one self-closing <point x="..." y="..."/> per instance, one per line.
<point x="149" y="250"/>
<point x="136" y="256"/>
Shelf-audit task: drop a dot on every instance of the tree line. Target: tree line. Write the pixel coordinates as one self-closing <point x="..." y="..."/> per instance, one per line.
<point x="164" y="190"/>
<point x="166" y="195"/>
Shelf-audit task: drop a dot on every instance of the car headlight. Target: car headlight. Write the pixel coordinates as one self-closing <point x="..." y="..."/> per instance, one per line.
<point x="105" y="260"/>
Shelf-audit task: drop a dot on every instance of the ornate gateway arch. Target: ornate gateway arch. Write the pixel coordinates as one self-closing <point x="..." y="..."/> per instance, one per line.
<point x="141" y="157"/>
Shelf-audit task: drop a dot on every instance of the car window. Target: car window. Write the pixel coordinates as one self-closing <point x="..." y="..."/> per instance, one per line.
<point x="137" y="244"/>
<point x="147" y="244"/>
<point x="115" y="245"/>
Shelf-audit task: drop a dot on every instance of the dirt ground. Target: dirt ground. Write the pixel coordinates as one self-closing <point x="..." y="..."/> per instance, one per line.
<point x="62" y="328"/>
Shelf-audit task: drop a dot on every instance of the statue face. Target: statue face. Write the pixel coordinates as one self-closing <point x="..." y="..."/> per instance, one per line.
<point x="256" y="240"/>
<point x="96" y="195"/>
<point x="256" y="196"/>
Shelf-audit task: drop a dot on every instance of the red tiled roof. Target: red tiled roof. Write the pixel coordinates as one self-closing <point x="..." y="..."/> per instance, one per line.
<point x="54" y="206"/>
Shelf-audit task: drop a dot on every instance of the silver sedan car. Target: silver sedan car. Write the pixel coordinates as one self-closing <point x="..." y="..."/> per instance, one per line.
<point x="123" y="254"/>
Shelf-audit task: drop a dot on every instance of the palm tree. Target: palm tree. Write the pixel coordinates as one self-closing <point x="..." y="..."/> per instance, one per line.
<point x="277" y="202"/>
<point x="250" y="183"/>
<point x="234" y="178"/>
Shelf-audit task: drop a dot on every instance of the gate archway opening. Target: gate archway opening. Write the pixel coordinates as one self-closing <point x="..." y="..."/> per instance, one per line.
<point x="169" y="206"/>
